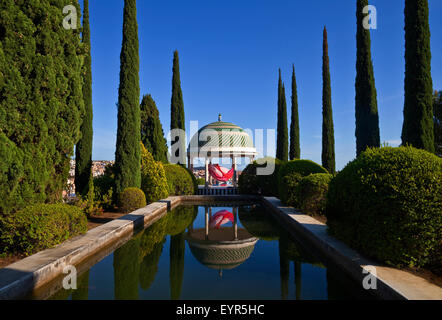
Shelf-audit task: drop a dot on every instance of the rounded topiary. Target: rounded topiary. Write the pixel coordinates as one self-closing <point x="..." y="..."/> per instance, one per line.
<point x="311" y="193"/>
<point x="388" y="204"/>
<point x="289" y="175"/>
<point x="153" y="177"/>
<point x="131" y="199"/>
<point x="39" y="227"/>
<point x="253" y="182"/>
<point x="179" y="180"/>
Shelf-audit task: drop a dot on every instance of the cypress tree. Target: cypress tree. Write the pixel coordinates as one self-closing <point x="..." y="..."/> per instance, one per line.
<point x="295" y="148"/>
<point x="282" y="131"/>
<point x="83" y="150"/>
<point x="127" y="154"/>
<point x="177" y="120"/>
<point x="176" y="272"/>
<point x="417" y="129"/>
<point x="41" y="100"/>
<point x="328" y="139"/>
<point x="438" y="123"/>
<point x="152" y="134"/>
<point x="367" y="118"/>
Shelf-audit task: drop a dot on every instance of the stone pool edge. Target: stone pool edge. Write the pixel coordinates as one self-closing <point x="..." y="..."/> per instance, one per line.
<point x="392" y="283"/>
<point x="19" y="279"/>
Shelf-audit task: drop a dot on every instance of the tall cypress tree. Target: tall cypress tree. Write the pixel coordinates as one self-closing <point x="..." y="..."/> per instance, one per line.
<point x="295" y="148"/>
<point x="328" y="139"/>
<point x="152" y="134"/>
<point x="83" y="150"/>
<point x="176" y="272"/>
<point x="177" y="120"/>
<point x="282" y="131"/>
<point x="417" y="129"/>
<point x="367" y="118"/>
<point x="127" y="154"/>
<point x="41" y="100"/>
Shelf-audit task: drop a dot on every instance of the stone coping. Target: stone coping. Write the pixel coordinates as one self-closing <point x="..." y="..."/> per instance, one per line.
<point x="392" y="283"/>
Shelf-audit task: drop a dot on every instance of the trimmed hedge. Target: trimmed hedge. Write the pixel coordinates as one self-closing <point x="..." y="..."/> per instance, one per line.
<point x="179" y="180"/>
<point x="388" y="204"/>
<point x="311" y="193"/>
<point x="153" y="177"/>
<point x="289" y="175"/>
<point x="131" y="199"/>
<point x="40" y="227"/>
<point x="251" y="183"/>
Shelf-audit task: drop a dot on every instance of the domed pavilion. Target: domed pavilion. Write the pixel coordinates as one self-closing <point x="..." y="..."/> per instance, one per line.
<point x="219" y="140"/>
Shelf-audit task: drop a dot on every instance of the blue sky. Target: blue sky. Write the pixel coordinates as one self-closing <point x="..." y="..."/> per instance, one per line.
<point x="230" y="52"/>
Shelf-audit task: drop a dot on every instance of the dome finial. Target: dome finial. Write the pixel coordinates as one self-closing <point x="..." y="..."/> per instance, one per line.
<point x="219" y="117"/>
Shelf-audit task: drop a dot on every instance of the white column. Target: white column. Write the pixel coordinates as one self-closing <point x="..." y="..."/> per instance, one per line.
<point x="235" y="223"/>
<point x="206" y="174"/>
<point x="207" y="222"/>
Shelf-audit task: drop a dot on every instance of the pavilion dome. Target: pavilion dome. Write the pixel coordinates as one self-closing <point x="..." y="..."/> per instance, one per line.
<point x="221" y="137"/>
<point x="221" y="253"/>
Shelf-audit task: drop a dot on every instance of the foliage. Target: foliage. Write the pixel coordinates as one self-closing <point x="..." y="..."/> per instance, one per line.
<point x="176" y="271"/>
<point x="131" y="199"/>
<point x="438" y="123"/>
<point x="311" y="193"/>
<point x="180" y="218"/>
<point x="83" y="149"/>
<point x="127" y="154"/>
<point x="177" y="117"/>
<point x="127" y="270"/>
<point x="388" y="204"/>
<point x="282" y="131"/>
<point x="258" y="223"/>
<point x="250" y="182"/>
<point x="153" y="177"/>
<point x="289" y="175"/>
<point x="103" y="191"/>
<point x="417" y="129"/>
<point x="295" y="147"/>
<point x="201" y="181"/>
<point x="41" y="226"/>
<point x="152" y="134"/>
<point x="328" y="138"/>
<point x="367" y="118"/>
<point x="41" y="101"/>
<point x="179" y="180"/>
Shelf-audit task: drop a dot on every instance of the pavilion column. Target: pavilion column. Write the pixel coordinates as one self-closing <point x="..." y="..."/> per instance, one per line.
<point x="206" y="172"/>
<point x="207" y="222"/>
<point x="235" y="223"/>
<point x="235" y="172"/>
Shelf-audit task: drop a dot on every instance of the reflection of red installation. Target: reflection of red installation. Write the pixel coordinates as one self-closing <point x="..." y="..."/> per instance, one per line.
<point x="220" y="218"/>
<point x="220" y="173"/>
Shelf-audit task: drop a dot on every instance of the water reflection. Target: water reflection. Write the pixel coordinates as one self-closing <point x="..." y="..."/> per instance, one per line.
<point x="259" y="259"/>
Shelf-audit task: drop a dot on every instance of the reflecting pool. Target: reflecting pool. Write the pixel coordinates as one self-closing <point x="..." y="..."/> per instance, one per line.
<point x="222" y="251"/>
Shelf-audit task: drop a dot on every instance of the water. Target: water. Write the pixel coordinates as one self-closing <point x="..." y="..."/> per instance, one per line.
<point x="192" y="254"/>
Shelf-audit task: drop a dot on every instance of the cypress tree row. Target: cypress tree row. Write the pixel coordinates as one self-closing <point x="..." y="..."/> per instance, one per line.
<point x="41" y="101"/>
<point x="83" y="150"/>
<point x="417" y="129"/>
<point x="367" y="118"/>
<point x="152" y="134"/>
<point x="295" y="148"/>
<point x="282" y="131"/>
<point x="328" y="139"/>
<point x="177" y="120"/>
<point x="127" y="154"/>
<point x="438" y="123"/>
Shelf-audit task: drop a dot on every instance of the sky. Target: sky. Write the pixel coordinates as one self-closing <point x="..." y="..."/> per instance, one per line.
<point x="230" y="52"/>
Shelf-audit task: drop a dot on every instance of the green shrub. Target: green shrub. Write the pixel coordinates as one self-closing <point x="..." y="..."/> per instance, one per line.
<point x="103" y="192"/>
<point x="311" y="193"/>
<point x="201" y="181"/>
<point x="250" y="182"/>
<point x="388" y="204"/>
<point x="39" y="227"/>
<point x="179" y="180"/>
<point x="289" y="175"/>
<point x="153" y="178"/>
<point x="131" y="199"/>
